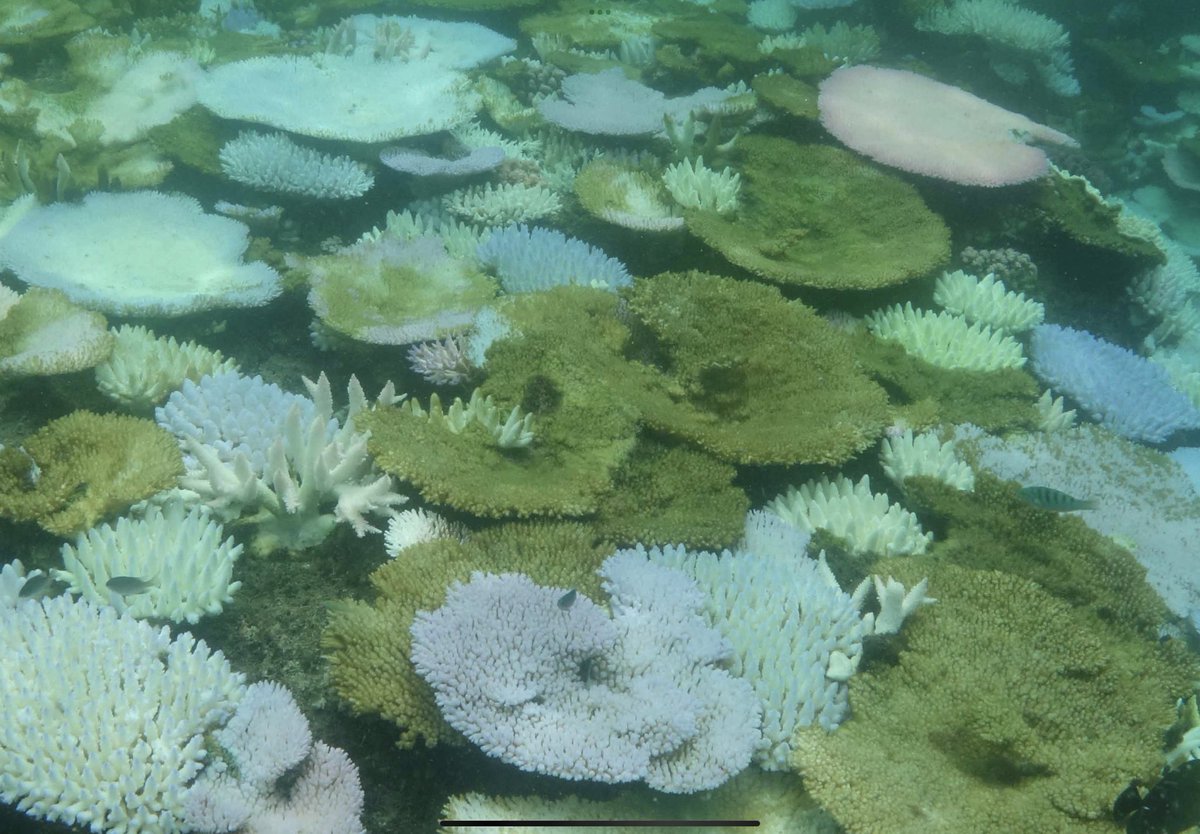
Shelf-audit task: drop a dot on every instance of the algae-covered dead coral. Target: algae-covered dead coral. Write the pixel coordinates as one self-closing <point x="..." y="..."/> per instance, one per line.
<point x="1006" y="711"/>
<point x="368" y="644"/>
<point x="79" y="469"/>
<point x="754" y="378"/>
<point x="819" y="216"/>
<point x="563" y="364"/>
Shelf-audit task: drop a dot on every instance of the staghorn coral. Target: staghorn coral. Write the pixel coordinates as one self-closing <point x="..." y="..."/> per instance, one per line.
<point x="368" y="644"/>
<point x="84" y="467"/>
<point x="1006" y="711"/>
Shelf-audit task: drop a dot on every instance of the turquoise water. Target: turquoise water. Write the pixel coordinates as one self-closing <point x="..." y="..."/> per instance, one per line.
<point x="867" y="335"/>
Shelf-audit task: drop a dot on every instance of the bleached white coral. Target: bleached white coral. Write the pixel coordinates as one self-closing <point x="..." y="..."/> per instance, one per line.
<point x="409" y="527"/>
<point x="178" y="552"/>
<point x="924" y="455"/>
<point x="946" y="340"/>
<point x="138" y="253"/>
<point x="313" y="461"/>
<point x="516" y="430"/>
<point x="1052" y="414"/>
<point x="1015" y="32"/>
<point x="105" y="715"/>
<point x="695" y="186"/>
<point x="143" y="369"/>
<point x="341" y="97"/>
<point x="867" y="521"/>
<point x="267" y="738"/>
<point x="500" y="205"/>
<point x="988" y="301"/>
<point x="273" y="162"/>
<point x="797" y="636"/>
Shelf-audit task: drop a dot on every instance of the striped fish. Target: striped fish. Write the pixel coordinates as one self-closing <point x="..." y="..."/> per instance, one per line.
<point x="1048" y="498"/>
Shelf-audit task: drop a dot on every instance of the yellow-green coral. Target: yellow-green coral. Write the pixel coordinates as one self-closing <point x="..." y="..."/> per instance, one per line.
<point x="84" y="467"/>
<point x="840" y="223"/>
<point x="564" y="365"/>
<point x="1006" y="711"/>
<point x="368" y="645"/>
<point x="665" y="494"/>
<point x="926" y="395"/>
<point x="993" y="528"/>
<point x="754" y="378"/>
<point x="43" y="332"/>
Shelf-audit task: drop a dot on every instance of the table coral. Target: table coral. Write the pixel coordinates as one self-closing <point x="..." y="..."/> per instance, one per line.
<point x="368" y="645"/>
<point x="817" y="216"/>
<point x="565" y="365"/>
<point x="754" y="378"/>
<point x="1006" y="712"/>
<point x="78" y="469"/>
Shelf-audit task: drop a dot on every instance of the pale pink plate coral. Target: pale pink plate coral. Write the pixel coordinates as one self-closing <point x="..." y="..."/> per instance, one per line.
<point x="920" y="125"/>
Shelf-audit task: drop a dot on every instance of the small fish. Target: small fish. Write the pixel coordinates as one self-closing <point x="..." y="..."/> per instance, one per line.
<point x="34" y="586"/>
<point x="567" y="600"/>
<point x="1048" y="498"/>
<point x="130" y="585"/>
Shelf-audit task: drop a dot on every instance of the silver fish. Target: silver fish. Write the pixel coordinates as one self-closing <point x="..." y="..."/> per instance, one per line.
<point x="130" y="585"/>
<point x="1056" y="501"/>
<point x="567" y="600"/>
<point x="34" y="586"/>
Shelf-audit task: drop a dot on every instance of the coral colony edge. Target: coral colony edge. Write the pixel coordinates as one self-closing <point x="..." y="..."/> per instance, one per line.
<point x="441" y="411"/>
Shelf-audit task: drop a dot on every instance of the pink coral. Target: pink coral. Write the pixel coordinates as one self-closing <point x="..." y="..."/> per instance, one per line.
<point x="920" y="125"/>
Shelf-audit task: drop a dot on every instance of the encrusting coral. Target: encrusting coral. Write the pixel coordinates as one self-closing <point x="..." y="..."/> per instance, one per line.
<point x="1006" y="711"/>
<point x="83" y="467"/>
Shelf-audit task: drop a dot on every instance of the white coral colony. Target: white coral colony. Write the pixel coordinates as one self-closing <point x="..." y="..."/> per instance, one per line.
<point x="138" y="253"/>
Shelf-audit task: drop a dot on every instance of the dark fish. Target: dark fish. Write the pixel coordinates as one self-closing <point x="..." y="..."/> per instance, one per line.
<point x="34" y="585"/>
<point x="1171" y="806"/>
<point x="567" y="600"/>
<point x="129" y="585"/>
<point x="1048" y="498"/>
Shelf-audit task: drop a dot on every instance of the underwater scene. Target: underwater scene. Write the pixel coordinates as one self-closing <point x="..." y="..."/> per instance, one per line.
<point x="599" y="414"/>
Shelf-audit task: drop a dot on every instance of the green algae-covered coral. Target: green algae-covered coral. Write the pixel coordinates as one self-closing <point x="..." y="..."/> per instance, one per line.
<point x="79" y="469"/>
<point x="924" y="394"/>
<point x="1006" y="711"/>
<point x="383" y="290"/>
<point x="993" y="528"/>
<point x="564" y="365"/>
<point x="754" y="378"/>
<point x="368" y="644"/>
<point x="819" y="216"/>
<point x="672" y="494"/>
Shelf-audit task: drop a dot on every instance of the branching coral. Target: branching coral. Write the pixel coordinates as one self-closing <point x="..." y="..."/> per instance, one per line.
<point x="368" y="645"/>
